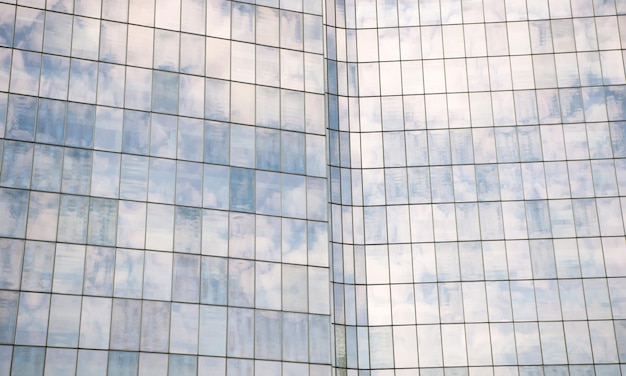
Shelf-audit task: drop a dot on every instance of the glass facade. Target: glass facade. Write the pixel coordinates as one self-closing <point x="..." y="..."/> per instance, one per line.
<point x="163" y="188"/>
<point x="477" y="183"/>
<point x="313" y="187"/>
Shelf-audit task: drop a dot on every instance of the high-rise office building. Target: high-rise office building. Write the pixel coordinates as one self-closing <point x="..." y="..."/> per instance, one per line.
<point x="310" y="187"/>
<point x="477" y="181"/>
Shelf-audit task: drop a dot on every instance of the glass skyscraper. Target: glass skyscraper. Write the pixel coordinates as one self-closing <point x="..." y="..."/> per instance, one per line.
<point x="313" y="187"/>
<point x="477" y="181"/>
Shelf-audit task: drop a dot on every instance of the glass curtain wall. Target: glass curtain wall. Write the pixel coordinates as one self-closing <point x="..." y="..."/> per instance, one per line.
<point x="163" y="188"/>
<point x="477" y="185"/>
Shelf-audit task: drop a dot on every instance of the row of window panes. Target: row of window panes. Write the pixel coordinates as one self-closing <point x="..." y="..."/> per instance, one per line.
<point x="515" y="259"/>
<point x="144" y="89"/>
<point x="476" y="40"/>
<point x="557" y="143"/>
<point x="58" y="361"/>
<point x="478" y="261"/>
<point x="394" y="113"/>
<point x="97" y="221"/>
<point x="269" y="107"/>
<point x="449" y="76"/>
<point x="481" y="183"/>
<point x="481" y="109"/>
<point x="511" y="260"/>
<point x="574" y="370"/>
<point x="53" y="172"/>
<point x="25" y="28"/>
<point x="185" y="230"/>
<point x="472" y="221"/>
<point x="123" y="324"/>
<point x="186" y="15"/>
<point x="453" y="76"/>
<point x="136" y="132"/>
<point x="160" y="276"/>
<point x="217" y="187"/>
<point x="574" y="342"/>
<point x="466" y="302"/>
<point x="469" y="183"/>
<point x="295" y="296"/>
<point x="192" y="59"/>
<point x="233" y="60"/>
<point x="382" y="13"/>
<point x="164" y="136"/>
<point x="158" y="135"/>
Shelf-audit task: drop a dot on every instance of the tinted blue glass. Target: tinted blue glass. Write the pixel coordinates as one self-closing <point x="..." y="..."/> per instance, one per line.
<point x="268" y="193"/>
<point x="427" y="198"/>
<point x="83" y="78"/>
<point x="25" y="72"/>
<point x="212" y="330"/>
<point x="294" y="196"/>
<point x="73" y="215"/>
<point x="190" y="139"/>
<point x="91" y="362"/>
<point x="51" y="121"/>
<point x="155" y="315"/>
<point x="268" y="149"/>
<point x="5" y="59"/>
<point x="21" y="117"/>
<point x="38" y="263"/>
<point x="191" y="96"/>
<point x="216" y="142"/>
<point x="108" y="132"/>
<point x="136" y="132"/>
<point x="28" y="361"/>
<point x="47" y="168"/>
<point x="292" y="152"/>
<point x="618" y="137"/>
<point x="8" y="313"/>
<point x="186" y="278"/>
<point x="216" y="187"/>
<point x="54" y="76"/>
<point x="105" y="174"/>
<point x="33" y="311"/>
<point x="111" y="84"/>
<point x="241" y="189"/>
<point x="76" y="171"/>
<point x="102" y="222"/>
<point x="80" y="125"/>
<point x="189" y="183"/>
<point x="217" y="100"/>
<point x="163" y="136"/>
<point x="57" y="33"/>
<point x="99" y="266"/>
<point x="29" y="29"/>
<point x="3" y="112"/>
<point x="16" y="164"/>
<point x="123" y="363"/>
<point x="162" y="178"/>
<point x="138" y="88"/>
<point x="182" y="365"/>
<point x="128" y="280"/>
<point x="213" y="280"/>
<point x="60" y="361"/>
<point x="165" y="92"/>
<point x="7" y="25"/>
